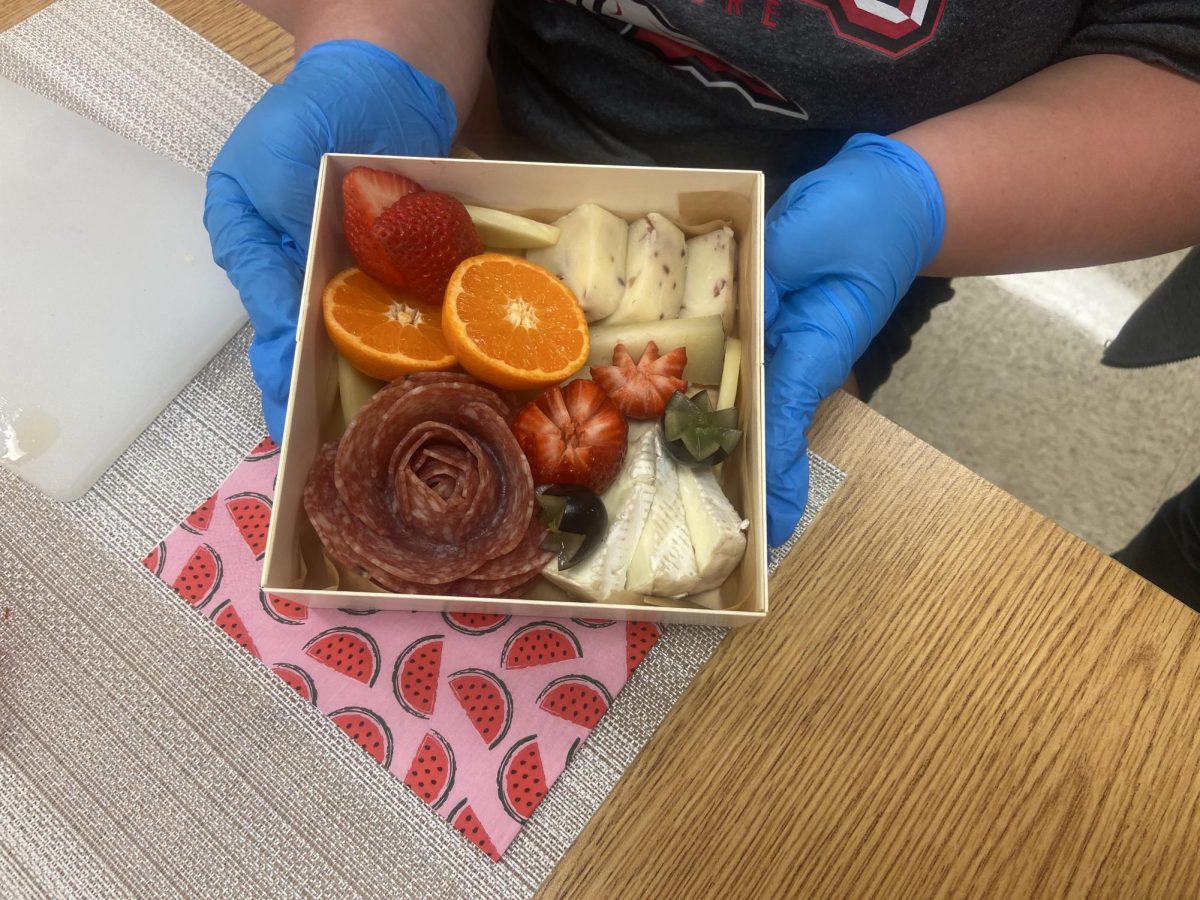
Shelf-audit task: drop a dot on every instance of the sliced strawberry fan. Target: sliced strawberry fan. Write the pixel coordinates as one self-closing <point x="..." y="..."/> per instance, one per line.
<point x="366" y="194"/>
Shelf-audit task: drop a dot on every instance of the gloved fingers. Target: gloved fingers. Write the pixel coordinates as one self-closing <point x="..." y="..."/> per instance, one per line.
<point x="283" y="191"/>
<point x="240" y="237"/>
<point x="392" y="110"/>
<point x="791" y="401"/>
<point x="252" y="254"/>
<point x="771" y="297"/>
<point x="787" y="498"/>
<point x="268" y="281"/>
<point x="273" y="155"/>
<point x="293" y="252"/>
<point x="825" y="328"/>
<point x="816" y="336"/>
<point x="349" y="96"/>
<point x="271" y="362"/>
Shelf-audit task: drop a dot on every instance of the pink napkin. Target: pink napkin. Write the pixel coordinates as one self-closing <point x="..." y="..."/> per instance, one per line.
<point x="477" y="714"/>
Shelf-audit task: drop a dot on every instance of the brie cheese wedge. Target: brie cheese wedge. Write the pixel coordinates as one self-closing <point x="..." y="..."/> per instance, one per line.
<point x="628" y="501"/>
<point x="664" y="563"/>
<point x="717" y="531"/>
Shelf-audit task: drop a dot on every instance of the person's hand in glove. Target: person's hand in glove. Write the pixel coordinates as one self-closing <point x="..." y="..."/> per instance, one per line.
<point x="342" y="96"/>
<point x="843" y="245"/>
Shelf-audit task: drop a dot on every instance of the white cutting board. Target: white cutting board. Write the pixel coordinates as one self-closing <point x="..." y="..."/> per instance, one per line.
<point x="109" y="299"/>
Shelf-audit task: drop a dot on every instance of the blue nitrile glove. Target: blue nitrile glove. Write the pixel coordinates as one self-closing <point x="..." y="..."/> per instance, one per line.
<point x="342" y="96"/>
<point x="843" y="245"/>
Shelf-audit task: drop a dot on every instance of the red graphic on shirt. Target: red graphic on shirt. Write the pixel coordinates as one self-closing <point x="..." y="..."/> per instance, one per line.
<point x="891" y="27"/>
<point x="645" y="24"/>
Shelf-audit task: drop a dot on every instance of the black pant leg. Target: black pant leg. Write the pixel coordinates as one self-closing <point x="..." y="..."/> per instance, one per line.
<point x="1167" y="550"/>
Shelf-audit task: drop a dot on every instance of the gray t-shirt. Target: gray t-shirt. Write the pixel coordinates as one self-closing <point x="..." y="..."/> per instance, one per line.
<point x="778" y="85"/>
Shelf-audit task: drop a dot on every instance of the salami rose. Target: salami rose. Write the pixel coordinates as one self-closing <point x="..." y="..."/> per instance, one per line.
<point x="428" y="492"/>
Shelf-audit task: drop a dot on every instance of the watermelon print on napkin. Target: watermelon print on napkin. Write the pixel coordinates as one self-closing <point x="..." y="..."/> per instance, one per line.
<point x="477" y="713"/>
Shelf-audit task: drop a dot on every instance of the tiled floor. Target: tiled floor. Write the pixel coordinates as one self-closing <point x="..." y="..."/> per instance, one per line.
<point x="1015" y="391"/>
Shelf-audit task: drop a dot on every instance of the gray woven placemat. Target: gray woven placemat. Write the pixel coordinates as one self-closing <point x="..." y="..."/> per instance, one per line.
<point x="142" y="754"/>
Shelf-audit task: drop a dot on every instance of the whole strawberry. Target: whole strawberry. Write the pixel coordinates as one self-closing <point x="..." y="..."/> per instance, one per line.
<point x="425" y="236"/>
<point x="366" y="193"/>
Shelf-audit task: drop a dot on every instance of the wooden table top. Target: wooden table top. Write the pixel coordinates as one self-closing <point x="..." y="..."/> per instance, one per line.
<point x="952" y="696"/>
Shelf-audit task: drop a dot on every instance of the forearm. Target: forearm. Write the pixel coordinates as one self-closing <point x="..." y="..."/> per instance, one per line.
<point x="446" y="41"/>
<point x="1092" y="160"/>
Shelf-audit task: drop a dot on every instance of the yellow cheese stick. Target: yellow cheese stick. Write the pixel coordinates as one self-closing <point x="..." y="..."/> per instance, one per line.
<point x="727" y="396"/>
<point x="354" y="388"/>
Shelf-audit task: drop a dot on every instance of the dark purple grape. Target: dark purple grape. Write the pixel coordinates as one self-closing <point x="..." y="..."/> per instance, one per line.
<point x="576" y="522"/>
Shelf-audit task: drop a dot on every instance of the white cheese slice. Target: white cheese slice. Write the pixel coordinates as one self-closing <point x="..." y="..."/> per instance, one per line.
<point x="716" y="529"/>
<point x="628" y="501"/>
<point x="709" y="287"/>
<point x="590" y="257"/>
<point x="654" y="272"/>
<point x="663" y="563"/>
<point x="504" y="230"/>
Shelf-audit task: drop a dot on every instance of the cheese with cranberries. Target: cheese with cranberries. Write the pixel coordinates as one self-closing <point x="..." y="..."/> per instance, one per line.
<point x="654" y="272"/>
<point x="709" y="287"/>
<point x="590" y="257"/>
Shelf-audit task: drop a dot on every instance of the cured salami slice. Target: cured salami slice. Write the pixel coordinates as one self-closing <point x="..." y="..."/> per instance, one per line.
<point x="428" y="491"/>
<point x="522" y="562"/>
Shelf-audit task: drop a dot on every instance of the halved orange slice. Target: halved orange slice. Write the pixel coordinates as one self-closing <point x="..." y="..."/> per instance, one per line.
<point x="512" y="323"/>
<point x="382" y="331"/>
